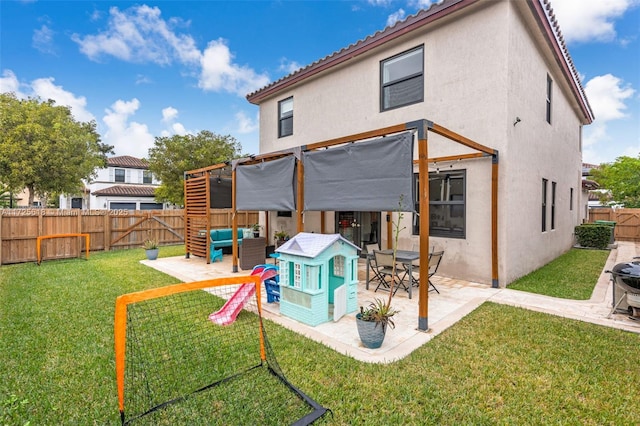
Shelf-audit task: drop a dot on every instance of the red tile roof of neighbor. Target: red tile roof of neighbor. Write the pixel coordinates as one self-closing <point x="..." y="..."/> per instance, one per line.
<point x="127" y="191"/>
<point x="127" y="161"/>
<point x="546" y="20"/>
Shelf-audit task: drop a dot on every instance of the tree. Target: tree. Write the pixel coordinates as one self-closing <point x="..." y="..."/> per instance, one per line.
<point x="43" y="148"/>
<point x="622" y="178"/>
<point x="171" y="156"/>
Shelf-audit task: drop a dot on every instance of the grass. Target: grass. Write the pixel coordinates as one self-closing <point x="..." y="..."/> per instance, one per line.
<point x="499" y="365"/>
<point x="570" y="276"/>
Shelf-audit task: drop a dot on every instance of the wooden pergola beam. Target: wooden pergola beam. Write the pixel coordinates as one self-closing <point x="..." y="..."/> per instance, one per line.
<point x="454" y="158"/>
<point x="422" y="127"/>
<point x="442" y="131"/>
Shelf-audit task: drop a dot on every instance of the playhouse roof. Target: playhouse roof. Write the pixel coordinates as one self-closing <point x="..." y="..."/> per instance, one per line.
<point x="311" y="245"/>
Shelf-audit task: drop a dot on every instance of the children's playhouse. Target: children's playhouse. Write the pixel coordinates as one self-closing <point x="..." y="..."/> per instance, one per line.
<point x="318" y="277"/>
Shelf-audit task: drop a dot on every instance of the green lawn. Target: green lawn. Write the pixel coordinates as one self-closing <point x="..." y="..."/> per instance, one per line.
<point x="570" y="276"/>
<point x="499" y="365"/>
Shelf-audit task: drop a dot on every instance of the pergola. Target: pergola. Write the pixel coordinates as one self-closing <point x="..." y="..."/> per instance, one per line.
<point x="197" y="194"/>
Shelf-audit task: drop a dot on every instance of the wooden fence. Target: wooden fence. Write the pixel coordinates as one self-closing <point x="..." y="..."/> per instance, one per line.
<point x="108" y="230"/>
<point x="627" y="222"/>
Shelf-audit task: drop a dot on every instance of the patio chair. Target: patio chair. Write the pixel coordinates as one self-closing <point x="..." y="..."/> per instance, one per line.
<point x="384" y="269"/>
<point x="434" y="262"/>
<point x="371" y="262"/>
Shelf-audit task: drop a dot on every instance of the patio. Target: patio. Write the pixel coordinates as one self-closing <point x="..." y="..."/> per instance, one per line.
<point x="456" y="299"/>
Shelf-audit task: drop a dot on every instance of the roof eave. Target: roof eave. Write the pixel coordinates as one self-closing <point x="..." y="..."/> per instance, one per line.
<point x="435" y="12"/>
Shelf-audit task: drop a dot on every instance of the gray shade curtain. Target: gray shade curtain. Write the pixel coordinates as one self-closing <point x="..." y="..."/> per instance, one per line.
<point x="220" y="193"/>
<point x="266" y="186"/>
<point x="364" y="176"/>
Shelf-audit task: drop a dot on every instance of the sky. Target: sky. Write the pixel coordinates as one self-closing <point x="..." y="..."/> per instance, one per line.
<point x="161" y="68"/>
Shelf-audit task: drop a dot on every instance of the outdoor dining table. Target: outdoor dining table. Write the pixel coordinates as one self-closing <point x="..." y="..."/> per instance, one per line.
<point x="406" y="257"/>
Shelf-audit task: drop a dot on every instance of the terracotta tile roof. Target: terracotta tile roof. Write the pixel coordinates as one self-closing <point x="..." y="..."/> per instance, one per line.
<point x="127" y="161"/>
<point x="589" y="185"/>
<point x="127" y="191"/>
<point x="541" y="8"/>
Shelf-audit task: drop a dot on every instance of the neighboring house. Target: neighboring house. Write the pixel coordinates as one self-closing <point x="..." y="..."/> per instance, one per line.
<point x="126" y="183"/>
<point x="495" y="71"/>
<point x="597" y="197"/>
<point x="22" y="200"/>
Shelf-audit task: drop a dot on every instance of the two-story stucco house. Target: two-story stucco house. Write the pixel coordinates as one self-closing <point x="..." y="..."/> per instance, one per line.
<point x="495" y="71"/>
<point x="126" y="183"/>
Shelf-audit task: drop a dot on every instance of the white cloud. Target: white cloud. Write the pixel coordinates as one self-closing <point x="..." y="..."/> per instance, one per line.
<point x="169" y="114"/>
<point x="246" y="124"/>
<point x="589" y="20"/>
<point x="127" y="137"/>
<point x="139" y="34"/>
<point x="9" y="83"/>
<point x="143" y="79"/>
<point x="42" y="40"/>
<point x="379" y="2"/>
<point x="423" y="4"/>
<point x="288" y="66"/>
<point x="179" y="129"/>
<point x="395" y="17"/>
<point x="46" y="89"/>
<point x="607" y="95"/>
<point x="219" y="73"/>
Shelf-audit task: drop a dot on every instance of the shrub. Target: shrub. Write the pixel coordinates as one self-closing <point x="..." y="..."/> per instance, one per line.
<point x="593" y="235"/>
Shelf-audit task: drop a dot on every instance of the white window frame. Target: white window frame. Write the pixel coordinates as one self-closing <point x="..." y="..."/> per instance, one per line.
<point x="285" y="114"/>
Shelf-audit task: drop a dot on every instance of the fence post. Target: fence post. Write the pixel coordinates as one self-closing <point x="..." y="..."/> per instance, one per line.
<point x="107" y="231"/>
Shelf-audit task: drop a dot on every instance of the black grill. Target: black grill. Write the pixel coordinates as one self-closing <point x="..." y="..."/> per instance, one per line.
<point x="627" y="276"/>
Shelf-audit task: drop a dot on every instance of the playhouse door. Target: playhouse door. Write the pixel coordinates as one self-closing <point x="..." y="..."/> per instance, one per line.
<point x="339" y="302"/>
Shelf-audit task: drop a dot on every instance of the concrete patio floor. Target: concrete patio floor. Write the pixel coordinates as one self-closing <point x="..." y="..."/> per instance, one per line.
<point x="456" y="299"/>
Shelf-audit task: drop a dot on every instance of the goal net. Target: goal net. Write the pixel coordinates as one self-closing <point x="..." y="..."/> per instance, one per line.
<point x="197" y="353"/>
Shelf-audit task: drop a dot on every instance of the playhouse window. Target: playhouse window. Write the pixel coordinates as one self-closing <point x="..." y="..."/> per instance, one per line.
<point x="338" y="266"/>
<point x="313" y="277"/>
<point x="284" y="271"/>
<point x="297" y="275"/>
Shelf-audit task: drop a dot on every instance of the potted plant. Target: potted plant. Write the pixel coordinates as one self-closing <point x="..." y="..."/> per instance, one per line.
<point x="280" y="237"/>
<point x="151" y="248"/>
<point x="373" y="320"/>
<point x="256" y="230"/>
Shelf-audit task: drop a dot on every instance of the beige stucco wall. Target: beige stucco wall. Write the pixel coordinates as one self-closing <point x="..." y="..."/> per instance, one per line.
<point x="481" y="71"/>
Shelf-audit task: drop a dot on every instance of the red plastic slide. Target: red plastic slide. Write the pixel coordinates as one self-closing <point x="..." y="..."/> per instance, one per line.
<point x="229" y="312"/>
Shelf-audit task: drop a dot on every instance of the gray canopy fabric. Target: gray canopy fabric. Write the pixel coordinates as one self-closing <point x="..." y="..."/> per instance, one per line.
<point x="220" y="193"/>
<point x="363" y="176"/>
<point x="267" y="185"/>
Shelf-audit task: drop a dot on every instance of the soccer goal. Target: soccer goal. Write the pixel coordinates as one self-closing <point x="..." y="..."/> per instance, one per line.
<point x="197" y="353"/>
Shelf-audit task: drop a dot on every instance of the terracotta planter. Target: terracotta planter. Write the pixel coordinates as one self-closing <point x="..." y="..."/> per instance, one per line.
<point x="371" y="333"/>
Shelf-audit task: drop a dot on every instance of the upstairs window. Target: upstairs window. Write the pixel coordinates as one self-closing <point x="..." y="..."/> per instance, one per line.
<point x="549" y="90"/>
<point x="119" y="175"/>
<point x="285" y="117"/>
<point x="146" y="176"/>
<point x="402" y="79"/>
